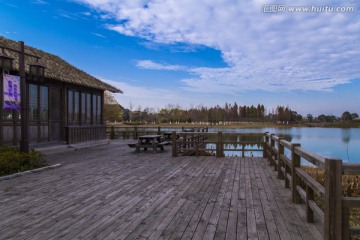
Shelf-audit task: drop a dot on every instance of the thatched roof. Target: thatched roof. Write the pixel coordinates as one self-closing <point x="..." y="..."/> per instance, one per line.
<point x="56" y="68"/>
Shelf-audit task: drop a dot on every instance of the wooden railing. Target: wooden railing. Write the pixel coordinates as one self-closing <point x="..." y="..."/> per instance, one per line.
<point x="132" y="132"/>
<point x="184" y="142"/>
<point x="336" y="210"/>
<point x="76" y="134"/>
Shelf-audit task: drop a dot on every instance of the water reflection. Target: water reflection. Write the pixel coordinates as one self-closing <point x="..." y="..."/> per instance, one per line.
<point x="327" y="142"/>
<point x="346" y="137"/>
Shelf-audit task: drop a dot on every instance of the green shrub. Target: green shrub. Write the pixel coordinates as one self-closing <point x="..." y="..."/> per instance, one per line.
<point x="12" y="161"/>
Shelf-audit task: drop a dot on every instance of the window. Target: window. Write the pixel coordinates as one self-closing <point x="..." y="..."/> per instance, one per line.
<point x="94" y="109"/>
<point x="76" y="108"/>
<point x="70" y="107"/>
<point x="83" y="108"/>
<point x="88" y="108"/>
<point x="38" y="103"/>
<point x="7" y="114"/>
<point x="98" y="113"/>
<point x="33" y="103"/>
<point x="44" y="103"/>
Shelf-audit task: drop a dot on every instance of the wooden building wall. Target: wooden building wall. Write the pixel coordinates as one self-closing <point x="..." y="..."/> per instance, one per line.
<point x="57" y="126"/>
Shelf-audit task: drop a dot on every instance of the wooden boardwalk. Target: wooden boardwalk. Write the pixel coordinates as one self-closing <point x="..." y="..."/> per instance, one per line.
<point x="110" y="192"/>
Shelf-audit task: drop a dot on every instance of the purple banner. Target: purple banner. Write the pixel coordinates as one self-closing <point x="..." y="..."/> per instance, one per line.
<point x="11" y="88"/>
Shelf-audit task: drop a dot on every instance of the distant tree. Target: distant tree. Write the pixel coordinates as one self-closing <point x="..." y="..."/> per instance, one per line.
<point x="354" y="115"/>
<point x="126" y="115"/>
<point x="326" y="118"/>
<point x="346" y="116"/>
<point x="309" y="117"/>
<point x="322" y="118"/>
<point x="112" y="109"/>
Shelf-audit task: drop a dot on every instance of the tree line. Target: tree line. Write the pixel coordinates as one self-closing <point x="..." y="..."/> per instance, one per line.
<point x="229" y="112"/>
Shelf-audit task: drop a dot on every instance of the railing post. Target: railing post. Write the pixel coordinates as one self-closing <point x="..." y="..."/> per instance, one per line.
<point x="333" y="200"/>
<point x="280" y="163"/>
<point x="197" y="149"/>
<point x="295" y="160"/>
<point x="159" y="130"/>
<point x="265" y="145"/>
<point x="112" y="133"/>
<point x="309" y="211"/>
<point x="135" y="133"/>
<point x="174" y="145"/>
<point x="272" y="144"/>
<point x="219" y="145"/>
<point x="345" y="223"/>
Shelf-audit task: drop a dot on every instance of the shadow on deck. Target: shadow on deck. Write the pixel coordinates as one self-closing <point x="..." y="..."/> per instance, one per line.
<point x="109" y="192"/>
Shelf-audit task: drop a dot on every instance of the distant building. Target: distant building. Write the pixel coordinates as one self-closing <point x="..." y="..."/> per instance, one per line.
<point x="66" y="105"/>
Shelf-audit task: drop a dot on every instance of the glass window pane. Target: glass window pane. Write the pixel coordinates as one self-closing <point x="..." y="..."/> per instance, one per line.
<point x="77" y="108"/>
<point x="94" y="109"/>
<point x="44" y="103"/>
<point x="98" y="110"/>
<point x="88" y="108"/>
<point x="7" y="114"/>
<point x="70" y="107"/>
<point x="83" y="108"/>
<point x="33" y="103"/>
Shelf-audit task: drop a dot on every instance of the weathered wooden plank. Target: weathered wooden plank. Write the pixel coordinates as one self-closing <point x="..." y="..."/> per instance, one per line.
<point x="111" y="193"/>
<point x="241" y="231"/>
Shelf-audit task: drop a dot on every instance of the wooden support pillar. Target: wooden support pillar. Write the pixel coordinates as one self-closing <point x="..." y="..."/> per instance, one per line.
<point x="309" y="211"/>
<point x="345" y="223"/>
<point x="135" y="132"/>
<point x="272" y="145"/>
<point x="112" y="133"/>
<point x="295" y="159"/>
<point x="266" y="139"/>
<point x="280" y="175"/>
<point x="174" y="145"/>
<point x="219" y="145"/>
<point x="333" y="200"/>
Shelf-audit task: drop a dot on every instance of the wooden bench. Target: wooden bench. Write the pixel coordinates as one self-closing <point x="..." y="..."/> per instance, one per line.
<point x="132" y="145"/>
<point x="162" y="144"/>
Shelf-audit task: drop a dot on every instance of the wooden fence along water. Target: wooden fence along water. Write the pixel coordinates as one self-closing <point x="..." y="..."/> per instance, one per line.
<point x="286" y="158"/>
<point x="336" y="211"/>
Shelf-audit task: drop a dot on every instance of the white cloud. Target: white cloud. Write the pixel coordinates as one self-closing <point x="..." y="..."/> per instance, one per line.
<point x="98" y="35"/>
<point x="148" y="64"/>
<point x="267" y="51"/>
<point x="140" y="95"/>
<point x="40" y="2"/>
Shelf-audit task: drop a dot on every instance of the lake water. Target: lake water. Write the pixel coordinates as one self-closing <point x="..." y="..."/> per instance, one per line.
<point x="343" y="143"/>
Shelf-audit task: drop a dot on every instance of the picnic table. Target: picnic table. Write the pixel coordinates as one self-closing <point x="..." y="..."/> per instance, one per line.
<point x="150" y="141"/>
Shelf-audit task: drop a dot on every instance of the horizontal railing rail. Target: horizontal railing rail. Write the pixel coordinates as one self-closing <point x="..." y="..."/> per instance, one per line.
<point x="132" y="132"/>
<point x="216" y="143"/>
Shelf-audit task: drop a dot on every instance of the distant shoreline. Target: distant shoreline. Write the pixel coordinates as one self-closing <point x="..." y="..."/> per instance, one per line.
<point x="244" y="125"/>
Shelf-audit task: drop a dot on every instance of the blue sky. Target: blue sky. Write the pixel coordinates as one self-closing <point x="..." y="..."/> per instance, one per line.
<point x="205" y="52"/>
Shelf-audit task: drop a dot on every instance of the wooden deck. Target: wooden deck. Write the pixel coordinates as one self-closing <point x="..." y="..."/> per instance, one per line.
<point x="110" y="192"/>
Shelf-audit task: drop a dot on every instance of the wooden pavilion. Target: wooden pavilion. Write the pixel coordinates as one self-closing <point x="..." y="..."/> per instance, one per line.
<point x="64" y="104"/>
